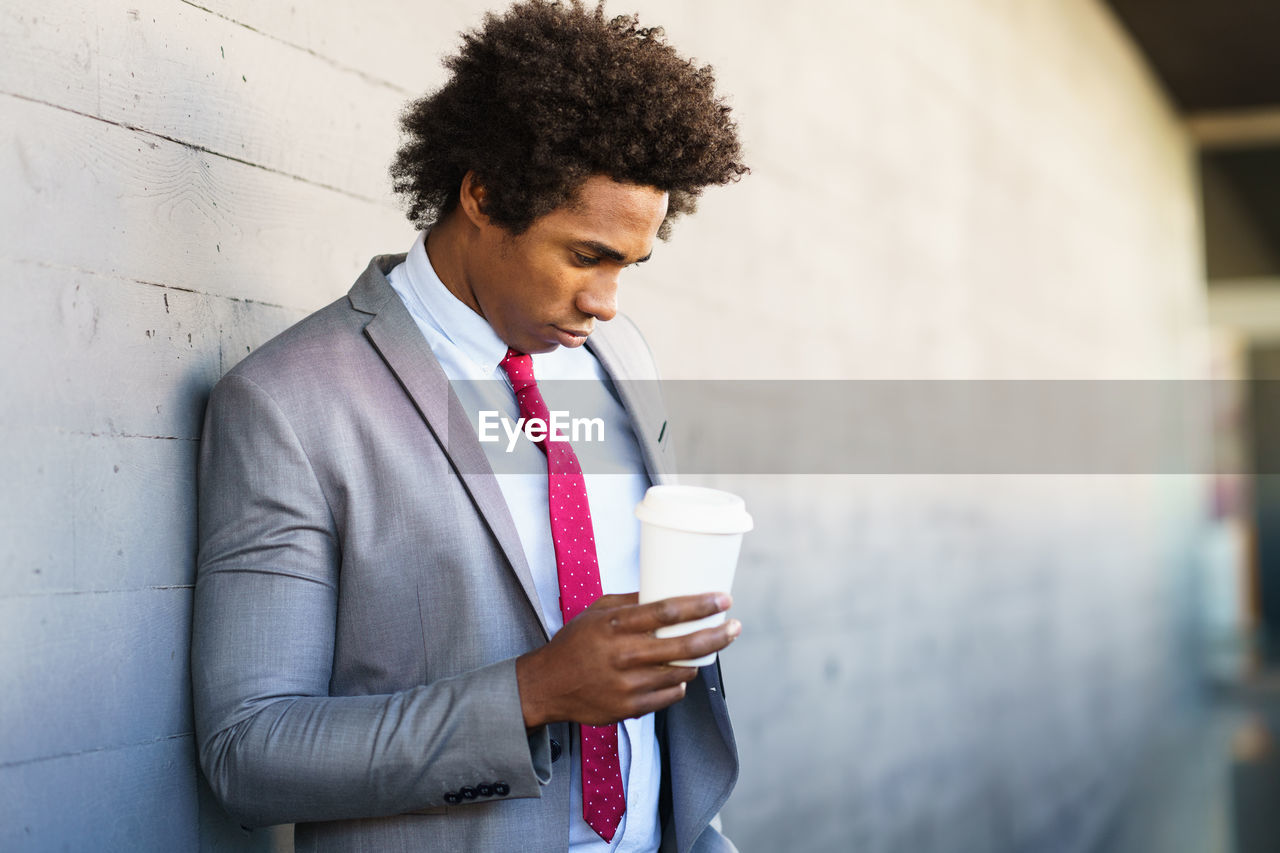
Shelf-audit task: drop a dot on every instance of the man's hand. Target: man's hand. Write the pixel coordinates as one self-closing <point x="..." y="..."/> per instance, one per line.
<point x="606" y="665"/>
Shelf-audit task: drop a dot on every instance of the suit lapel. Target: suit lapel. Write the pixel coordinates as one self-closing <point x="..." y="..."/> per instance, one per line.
<point x="639" y="396"/>
<point x="700" y="770"/>
<point x="406" y="352"/>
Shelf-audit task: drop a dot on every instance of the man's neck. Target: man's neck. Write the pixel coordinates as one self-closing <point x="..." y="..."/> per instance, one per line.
<point x="446" y="246"/>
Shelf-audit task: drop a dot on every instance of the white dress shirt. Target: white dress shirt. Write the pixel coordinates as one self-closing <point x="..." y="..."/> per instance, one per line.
<point x="468" y="349"/>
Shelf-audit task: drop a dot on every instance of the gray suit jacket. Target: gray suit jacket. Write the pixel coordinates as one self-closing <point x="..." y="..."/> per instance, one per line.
<point x="362" y="595"/>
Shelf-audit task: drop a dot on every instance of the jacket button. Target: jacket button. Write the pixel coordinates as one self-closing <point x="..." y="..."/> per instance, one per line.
<point x="555" y="750"/>
<point x="501" y="789"/>
<point x="468" y="793"/>
<point x="452" y="798"/>
<point x="484" y="790"/>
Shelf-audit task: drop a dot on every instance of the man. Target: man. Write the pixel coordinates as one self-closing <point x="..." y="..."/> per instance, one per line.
<point x="395" y="646"/>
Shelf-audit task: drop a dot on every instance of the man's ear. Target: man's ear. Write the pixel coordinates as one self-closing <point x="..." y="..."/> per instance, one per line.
<point x="471" y="198"/>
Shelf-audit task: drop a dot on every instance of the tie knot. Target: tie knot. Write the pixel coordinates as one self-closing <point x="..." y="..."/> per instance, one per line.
<point x="519" y="368"/>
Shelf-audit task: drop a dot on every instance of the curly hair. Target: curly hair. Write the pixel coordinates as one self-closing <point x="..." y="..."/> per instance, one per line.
<point x="549" y="94"/>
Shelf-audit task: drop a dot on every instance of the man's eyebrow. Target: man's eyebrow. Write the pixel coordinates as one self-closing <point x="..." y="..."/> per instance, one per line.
<point x="611" y="253"/>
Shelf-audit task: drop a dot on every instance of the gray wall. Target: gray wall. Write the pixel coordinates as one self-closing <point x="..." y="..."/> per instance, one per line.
<point x="181" y="183"/>
<point x="968" y="190"/>
<point x="941" y="189"/>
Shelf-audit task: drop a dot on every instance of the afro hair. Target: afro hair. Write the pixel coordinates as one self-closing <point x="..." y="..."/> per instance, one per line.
<point x="548" y="94"/>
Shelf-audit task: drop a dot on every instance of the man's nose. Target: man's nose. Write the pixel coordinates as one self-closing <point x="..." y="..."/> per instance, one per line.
<point x="600" y="300"/>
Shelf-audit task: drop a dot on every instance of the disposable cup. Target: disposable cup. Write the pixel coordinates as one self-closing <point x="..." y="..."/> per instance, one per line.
<point x="689" y="542"/>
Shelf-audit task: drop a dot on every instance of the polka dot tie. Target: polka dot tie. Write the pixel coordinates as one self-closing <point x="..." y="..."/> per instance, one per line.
<point x="603" y="801"/>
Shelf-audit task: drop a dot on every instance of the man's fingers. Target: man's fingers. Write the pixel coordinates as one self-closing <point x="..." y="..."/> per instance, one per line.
<point x="697" y="644"/>
<point x="671" y="611"/>
<point x="659" y="699"/>
<point x="615" y="600"/>
<point x="651" y="651"/>
<point x="658" y="677"/>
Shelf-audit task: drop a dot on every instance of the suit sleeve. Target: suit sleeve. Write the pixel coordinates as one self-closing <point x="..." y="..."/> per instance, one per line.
<point x="274" y="745"/>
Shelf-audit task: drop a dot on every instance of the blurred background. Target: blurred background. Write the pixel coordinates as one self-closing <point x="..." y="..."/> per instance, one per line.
<point x="941" y="189"/>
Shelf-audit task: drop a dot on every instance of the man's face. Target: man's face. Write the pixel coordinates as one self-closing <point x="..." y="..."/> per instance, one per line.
<point x="548" y="286"/>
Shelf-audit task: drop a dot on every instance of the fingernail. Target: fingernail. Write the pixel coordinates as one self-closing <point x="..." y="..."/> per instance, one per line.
<point x="723" y="600"/>
<point x="735" y="627"/>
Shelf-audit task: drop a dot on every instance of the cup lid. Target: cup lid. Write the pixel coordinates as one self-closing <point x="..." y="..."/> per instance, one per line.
<point x="694" y="508"/>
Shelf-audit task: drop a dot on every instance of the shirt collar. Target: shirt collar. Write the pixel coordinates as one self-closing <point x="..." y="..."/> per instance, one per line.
<point x="453" y="318"/>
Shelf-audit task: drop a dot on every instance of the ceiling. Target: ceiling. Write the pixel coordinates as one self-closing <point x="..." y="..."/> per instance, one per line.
<point x="1219" y="60"/>
<point x="1211" y="54"/>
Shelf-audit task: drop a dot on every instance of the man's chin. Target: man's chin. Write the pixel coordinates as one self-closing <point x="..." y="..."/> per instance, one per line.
<point x="536" y="347"/>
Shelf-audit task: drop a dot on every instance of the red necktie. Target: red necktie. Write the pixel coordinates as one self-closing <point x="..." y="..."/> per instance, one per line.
<point x="603" y="801"/>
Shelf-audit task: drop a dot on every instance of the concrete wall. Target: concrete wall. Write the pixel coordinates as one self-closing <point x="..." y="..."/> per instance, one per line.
<point x="946" y="190"/>
<point x="940" y="189"/>
<point x="181" y="183"/>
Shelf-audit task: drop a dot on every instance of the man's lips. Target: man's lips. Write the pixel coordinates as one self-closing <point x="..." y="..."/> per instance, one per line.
<point x="570" y="337"/>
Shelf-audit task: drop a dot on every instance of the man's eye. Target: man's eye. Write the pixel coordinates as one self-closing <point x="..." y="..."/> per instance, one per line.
<point x="585" y="260"/>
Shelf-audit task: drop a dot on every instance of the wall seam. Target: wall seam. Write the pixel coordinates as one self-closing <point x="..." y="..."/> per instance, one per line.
<point x="28" y="761"/>
<point x="196" y="147"/>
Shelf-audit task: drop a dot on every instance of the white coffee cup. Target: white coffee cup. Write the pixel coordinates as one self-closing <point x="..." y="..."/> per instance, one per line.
<point x="689" y="542"/>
